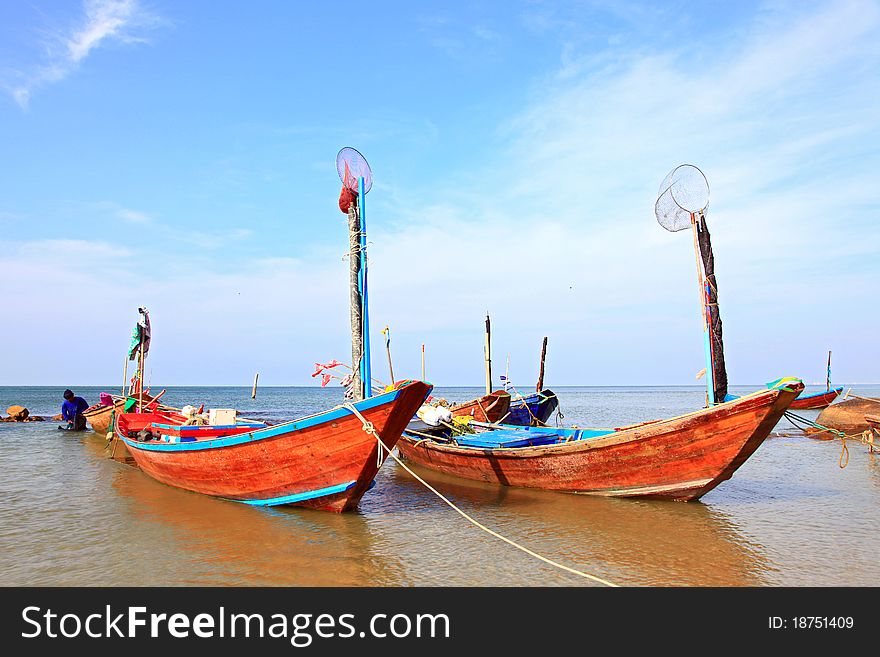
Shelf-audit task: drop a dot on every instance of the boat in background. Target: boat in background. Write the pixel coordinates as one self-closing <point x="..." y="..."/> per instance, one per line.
<point x="491" y="408"/>
<point x="819" y="399"/>
<point x="100" y="417"/>
<point x="532" y="410"/>
<point x="681" y="458"/>
<point x="816" y="399"/>
<point x="325" y="461"/>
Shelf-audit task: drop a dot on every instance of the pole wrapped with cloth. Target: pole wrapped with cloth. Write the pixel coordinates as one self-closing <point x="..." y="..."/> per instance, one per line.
<point x="681" y="203"/>
<point x="357" y="180"/>
<point x="713" y="316"/>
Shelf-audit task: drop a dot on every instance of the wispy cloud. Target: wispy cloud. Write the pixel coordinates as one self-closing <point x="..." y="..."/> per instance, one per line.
<point x="103" y="22"/>
<point x="134" y="216"/>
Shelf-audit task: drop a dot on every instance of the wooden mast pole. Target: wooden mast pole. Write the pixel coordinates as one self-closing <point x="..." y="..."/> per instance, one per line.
<point x="354" y="272"/>
<point x="124" y="374"/>
<point x="254" y="389"/>
<point x="423" y="361"/>
<point x="540" y="385"/>
<point x="141" y="379"/>
<point x="387" y="332"/>
<point x="488" y="355"/>
<point x="704" y="311"/>
<point x="828" y="373"/>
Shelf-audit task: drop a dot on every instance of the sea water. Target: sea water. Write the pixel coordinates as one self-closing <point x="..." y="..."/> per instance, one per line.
<point x="790" y="516"/>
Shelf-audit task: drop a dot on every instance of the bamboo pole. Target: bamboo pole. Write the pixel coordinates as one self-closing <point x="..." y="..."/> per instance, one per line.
<point x="423" y="361"/>
<point x="540" y="385"/>
<point x="849" y="394"/>
<point x="254" y="389"/>
<point x="488" y="355"/>
<point x="124" y="374"/>
<point x="387" y="333"/>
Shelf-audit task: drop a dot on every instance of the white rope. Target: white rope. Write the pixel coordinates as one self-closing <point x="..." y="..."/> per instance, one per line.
<point x="370" y="429"/>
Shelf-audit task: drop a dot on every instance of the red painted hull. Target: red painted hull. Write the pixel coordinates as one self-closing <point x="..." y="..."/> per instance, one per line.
<point x="289" y="460"/>
<point x="681" y="459"/>
<point x="817" y="401"/>
<point x="490" y="408"/>
<point x="99" y="417"/>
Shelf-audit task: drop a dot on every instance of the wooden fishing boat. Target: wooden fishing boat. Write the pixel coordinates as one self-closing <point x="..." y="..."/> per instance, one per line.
<point x="488" y="408"/>
<point x="816" y="399"/>
<point x="100" y="417"/>
<point x="532" y="410"/>
<point x="681" y="458"/>
<point x="325" y="461"/>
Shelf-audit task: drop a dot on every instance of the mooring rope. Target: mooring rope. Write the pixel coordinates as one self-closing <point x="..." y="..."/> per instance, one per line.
<point x="370" y="429"/>
<point x="864" y="437"/>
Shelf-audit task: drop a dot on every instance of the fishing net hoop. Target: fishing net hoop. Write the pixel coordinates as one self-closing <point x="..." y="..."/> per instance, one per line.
<point x="683" y="192"/>
<point x="351" y="165"/>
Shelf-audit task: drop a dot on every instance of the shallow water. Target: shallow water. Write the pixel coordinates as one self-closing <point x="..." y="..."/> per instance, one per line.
<point x="790" y="515"/>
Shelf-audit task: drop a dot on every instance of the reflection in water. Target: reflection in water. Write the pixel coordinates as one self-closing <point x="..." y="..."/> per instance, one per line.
<point x="628" y="541"/>
<point x="207" y="541"/>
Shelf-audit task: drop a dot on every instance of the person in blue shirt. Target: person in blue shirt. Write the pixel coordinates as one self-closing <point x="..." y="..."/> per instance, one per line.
<point x="72" y="411"/>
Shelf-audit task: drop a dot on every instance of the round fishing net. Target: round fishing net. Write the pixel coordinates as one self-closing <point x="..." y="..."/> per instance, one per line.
<point x="684" y="191"/>
<point x="351" y="165"/>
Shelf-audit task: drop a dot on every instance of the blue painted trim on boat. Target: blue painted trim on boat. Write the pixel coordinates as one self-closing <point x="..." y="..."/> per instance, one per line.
<point x="269" y="432"/>
<point x="819" y="394"/>
<point x="300" y="497"/>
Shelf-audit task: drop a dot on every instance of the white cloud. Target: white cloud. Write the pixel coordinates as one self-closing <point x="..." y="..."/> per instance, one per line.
<point x="134" y="216"/>
<point x="103" y="22"/>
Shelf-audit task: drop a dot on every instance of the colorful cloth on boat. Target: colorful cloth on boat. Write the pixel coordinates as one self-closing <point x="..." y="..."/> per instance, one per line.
<point x="783" y="382"/>
<point x="140" y="334"/>
<point x="70" y="409"/>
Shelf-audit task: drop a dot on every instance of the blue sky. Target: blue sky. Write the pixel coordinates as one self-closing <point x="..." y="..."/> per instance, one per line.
<point x="181" y="156"/>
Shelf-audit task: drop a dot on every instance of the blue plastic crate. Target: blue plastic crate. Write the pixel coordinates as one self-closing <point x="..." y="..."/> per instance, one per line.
<point x="501" y="439"/>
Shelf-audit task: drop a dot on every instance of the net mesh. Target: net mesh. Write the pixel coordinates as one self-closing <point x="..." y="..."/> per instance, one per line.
<point x="351" y="165"/>
<point x="683" y="191"/>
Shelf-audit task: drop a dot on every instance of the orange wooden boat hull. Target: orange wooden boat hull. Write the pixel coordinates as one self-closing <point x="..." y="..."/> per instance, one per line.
<point x="326" y="461"/>
<point x="816" y="401"/>
<point x="490" y="408"/>
<point x="680" y="459"/>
